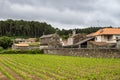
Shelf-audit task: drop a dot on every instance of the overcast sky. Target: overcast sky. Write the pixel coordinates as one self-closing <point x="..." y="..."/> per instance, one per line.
<point x="65" y="14"/>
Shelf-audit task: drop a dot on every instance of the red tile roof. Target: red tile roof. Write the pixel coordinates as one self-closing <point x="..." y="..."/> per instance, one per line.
<point x="106" y="31"/>
<point x="22" y="45"/>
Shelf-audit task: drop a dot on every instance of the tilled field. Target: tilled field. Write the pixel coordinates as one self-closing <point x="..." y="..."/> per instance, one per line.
<point x="51" y="67"/>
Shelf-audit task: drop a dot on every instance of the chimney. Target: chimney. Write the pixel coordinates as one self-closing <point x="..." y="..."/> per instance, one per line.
<point x="74" y="32"/>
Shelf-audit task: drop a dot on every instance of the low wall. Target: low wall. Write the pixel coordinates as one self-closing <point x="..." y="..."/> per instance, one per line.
<point x="101" y="53"/>
<point x="25" y="48"/>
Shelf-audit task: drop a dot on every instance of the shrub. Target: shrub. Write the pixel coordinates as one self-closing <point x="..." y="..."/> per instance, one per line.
<point x="5" y="42"/>
<point x="1" y="48"/>
<point x="22" y="52"/>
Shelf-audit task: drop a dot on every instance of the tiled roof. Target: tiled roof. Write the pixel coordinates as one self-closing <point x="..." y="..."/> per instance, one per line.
<point x="84" y="40"/>
<point x="89" y="35"/>
<point x="22" y="45"/>
<point x="106" y="31"/>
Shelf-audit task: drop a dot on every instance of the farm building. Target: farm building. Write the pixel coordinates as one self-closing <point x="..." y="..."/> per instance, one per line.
<point x="50" y="41"/>
<point x="81" y="44"/>
<point x="103" y="38"/>
<point x="75" y="38"/>
<point x="108" y="35"/>
<point x="20" y="46"/>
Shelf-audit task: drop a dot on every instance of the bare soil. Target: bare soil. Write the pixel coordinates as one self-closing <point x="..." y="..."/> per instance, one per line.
<point x="3" y="77"/>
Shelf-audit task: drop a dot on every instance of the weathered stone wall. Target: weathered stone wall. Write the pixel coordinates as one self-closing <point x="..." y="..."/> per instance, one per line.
<point x="25" y="48"/>
<point x="101" y="53"/>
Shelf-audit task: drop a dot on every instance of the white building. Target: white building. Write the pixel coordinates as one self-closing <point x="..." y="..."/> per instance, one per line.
<point x="108" y="35"/>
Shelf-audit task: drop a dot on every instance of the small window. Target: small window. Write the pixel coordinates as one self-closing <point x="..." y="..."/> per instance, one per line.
<point x="109" y="37"/>
<point x="117" y="38"/>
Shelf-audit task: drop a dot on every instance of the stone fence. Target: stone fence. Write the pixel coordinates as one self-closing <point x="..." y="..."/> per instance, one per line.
<point x="85" y="52"/>
<point x="25" y="48"/>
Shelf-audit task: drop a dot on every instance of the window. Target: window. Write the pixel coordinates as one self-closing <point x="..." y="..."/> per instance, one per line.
<point x="117" y="38"/>
<point x="109" y="37"/>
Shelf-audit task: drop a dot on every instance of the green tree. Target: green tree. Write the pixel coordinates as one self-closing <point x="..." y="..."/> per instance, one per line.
<point x="5" y="42"/>
<point x="21" y="28"/>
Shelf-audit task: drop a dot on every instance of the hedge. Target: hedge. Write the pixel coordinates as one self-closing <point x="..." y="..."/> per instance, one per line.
<point x="21" y="52"/>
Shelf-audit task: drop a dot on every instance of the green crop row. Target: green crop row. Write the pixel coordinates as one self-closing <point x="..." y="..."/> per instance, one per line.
<point x="62" y="67"/>
<point x="6" y="73"/>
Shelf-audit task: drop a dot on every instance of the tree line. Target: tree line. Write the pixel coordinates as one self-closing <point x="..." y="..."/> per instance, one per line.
<point x="25" y="28"/>
<point x="36" y="29"/>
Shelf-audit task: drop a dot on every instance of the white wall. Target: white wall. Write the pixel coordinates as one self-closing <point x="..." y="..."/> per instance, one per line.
<point x="104" y="38"/>
<point x="118" y="36"/>
<point x="118" y="44"/>
<point x="70" y="41"/>
<point x="98" y="38"/>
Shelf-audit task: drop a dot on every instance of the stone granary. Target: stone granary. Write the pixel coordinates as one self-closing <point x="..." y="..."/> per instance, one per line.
<point x="50" y="41"/>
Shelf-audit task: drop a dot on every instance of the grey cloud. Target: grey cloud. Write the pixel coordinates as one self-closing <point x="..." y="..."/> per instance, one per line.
<point x="64" y="13"/>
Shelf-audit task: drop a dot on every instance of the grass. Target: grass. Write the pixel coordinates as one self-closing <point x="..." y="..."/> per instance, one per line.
<point x="54" y="67"/>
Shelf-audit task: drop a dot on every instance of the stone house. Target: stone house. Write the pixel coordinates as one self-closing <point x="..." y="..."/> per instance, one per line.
<point x="78" y="41"/>
<point x="75" y="38"/>
<point x="105" y="38"/>
<point x="108" y="35"/>
<point x="50" y="41"/>
<point x="81" y="44"/>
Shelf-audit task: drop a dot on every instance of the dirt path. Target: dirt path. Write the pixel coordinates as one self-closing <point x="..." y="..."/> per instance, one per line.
<point x="32" y="77"/>
<point x="3" y="77"/>
<point x="16" y="76"/>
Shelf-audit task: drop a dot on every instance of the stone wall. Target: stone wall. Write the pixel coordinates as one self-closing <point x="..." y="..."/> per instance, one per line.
<point x="101" y="53"/>
<point x="25" y="48"/>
